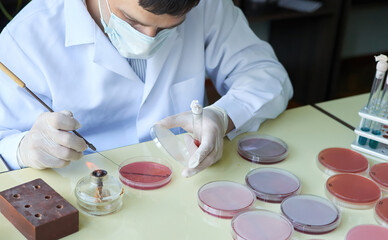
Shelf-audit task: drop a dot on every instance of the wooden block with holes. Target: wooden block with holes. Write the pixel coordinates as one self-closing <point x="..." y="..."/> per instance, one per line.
<point x="38" y="211"/>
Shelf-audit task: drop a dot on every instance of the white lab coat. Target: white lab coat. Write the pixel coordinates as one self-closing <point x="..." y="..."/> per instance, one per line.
<point x="57" y="49"/>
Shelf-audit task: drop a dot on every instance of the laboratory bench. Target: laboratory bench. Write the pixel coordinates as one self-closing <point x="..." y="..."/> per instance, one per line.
<point x="172" y="212"/>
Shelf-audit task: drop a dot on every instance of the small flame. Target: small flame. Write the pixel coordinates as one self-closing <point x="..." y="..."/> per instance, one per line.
<point x="92" y="166"/>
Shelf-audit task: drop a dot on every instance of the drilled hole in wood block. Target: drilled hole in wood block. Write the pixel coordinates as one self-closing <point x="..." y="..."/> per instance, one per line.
<point x="16" y="195"/>
<point x="59" y="206"/>
<point x="47" y="197"/>
<point x="36" y="186"/>
<point x="38" y="215"/>
<point x="27" y="206"/>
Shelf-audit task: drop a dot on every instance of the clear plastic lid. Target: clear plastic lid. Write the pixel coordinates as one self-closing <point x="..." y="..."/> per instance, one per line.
<point x="379" y="174"/>
<point x="225" y="199"/>
<point x="352" y="191"/>
<point x="311" y="214"/>
<point x="367" y="231"/>
<point x="145" y="172"/>
<point x="381" y="212"/>
<point x="272" y="184"/>
<point x="261" y="225"/>
<point x="262" y="149"/>
<point x="342" y="160"/>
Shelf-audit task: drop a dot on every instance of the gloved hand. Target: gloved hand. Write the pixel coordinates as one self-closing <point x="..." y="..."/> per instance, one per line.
<point x="49" y="144"/>
<point x="214" y="126"/>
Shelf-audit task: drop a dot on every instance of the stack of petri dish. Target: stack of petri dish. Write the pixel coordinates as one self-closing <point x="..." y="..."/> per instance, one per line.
<point x="272" y="184"/>
<point x="379" y="174"/>
<point x="341" y="160"/>
<point x="311" y="214"/>
<point x="367" y="231"/>
<point x="225" y="199"/>
<point x="352" y="191"/>
<point x="381" y="212"/>
<point x="262" y="149"/>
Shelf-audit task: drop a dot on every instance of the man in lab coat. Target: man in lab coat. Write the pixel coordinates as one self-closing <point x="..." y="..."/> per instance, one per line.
<point x="112" y="68"/>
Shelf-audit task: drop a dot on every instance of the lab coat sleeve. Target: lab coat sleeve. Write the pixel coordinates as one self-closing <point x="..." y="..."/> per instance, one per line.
<point x="244" y="69"/>
<point x="15" y="103"/>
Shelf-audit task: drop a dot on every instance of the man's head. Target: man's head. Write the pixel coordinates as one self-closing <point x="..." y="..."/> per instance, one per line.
<point x="170" y="7"/>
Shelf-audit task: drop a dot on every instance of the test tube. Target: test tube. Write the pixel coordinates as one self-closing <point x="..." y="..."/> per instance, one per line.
<point x="373" y="101"/>
<point x="197" y="111"/>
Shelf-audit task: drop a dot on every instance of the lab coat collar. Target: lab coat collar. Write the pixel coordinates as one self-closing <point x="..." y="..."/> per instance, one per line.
<point x="79" y="24"/>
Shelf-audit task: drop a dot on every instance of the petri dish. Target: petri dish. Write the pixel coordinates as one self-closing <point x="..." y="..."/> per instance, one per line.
<point x="381" y="212"/>
<point x="224" y="199"/>
<point x="342" y="160"/>
<point x="367" y="231"/>
<point x="261" y="225"/>
<point x="379" y="174"/>
<point x="262" y="149"/>
<point x="352" y="191"/>
<point x="311" y="214"/>
<point x="145" y="172"/>
<point x="272" y="184"/>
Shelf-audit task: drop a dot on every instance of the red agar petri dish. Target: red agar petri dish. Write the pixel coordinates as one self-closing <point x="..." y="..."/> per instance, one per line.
<point x="262" y="149"/>
<point x="379" y="174"/>
<point x="225" y="199"/>
<point x="342" y="160"/>
<point x="352" y="191"/>
<point x="272" y="184"/>
<point x="367" y="231"/>
<point x="145" y="173"/>
<point x="381" y="212"/>
<point x="261" y="225"/>
<point x="311" y="214"/>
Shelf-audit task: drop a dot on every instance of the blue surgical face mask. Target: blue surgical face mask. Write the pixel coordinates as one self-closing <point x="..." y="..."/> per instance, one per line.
<point x="128" y="41"/>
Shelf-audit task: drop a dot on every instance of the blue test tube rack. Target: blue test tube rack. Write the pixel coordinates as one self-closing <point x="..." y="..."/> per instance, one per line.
<point x="382" y="149"/>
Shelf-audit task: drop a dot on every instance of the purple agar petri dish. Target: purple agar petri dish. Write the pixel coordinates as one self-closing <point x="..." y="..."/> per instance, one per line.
<point x="272" y="184"/>
<point x="381" y="212"/>
<point x="261" y="225"/>
<point x="311" y="214"/>
<point x="367" y="231"/>
<point x="379" y="174"/>
<point x="342" y="160"/>
<point x="225" y="199"/>
<point x="352" y="191"/>
<point x="145" y="173"/>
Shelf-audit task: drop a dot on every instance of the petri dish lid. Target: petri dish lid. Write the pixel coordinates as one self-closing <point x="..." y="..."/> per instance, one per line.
<point x="352" y="191"/>
<point x="145" y="172"/>
<point x="379" y="174"/>
<point x="175" y="146"/>
<point x="262" y="149"/>
<point x="367" y="231"/>
<point x="342" y="160"/>
<point x="261" y="225"/>
<point x="272" y="184"/>
<point x="311" y="214"/>
<point x="224" y="199"/>
<point x="381" y="212"/>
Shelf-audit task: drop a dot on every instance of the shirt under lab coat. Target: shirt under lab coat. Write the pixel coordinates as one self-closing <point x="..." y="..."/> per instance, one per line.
<point x="61" y="54"/>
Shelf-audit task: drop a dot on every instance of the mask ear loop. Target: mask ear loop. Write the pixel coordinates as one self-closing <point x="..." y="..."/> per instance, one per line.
<point x="99" y="8"/>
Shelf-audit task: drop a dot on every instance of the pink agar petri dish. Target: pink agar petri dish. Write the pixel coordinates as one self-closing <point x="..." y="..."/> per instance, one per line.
<point x="352" y="191"/>
<point x="225" y="199"/>
<point x="272" y="184"/>
<point x="342" y="160"/>
<point x="379" y="174"/>
<point x="262" y="149"/>
<point x="261" y="225"/>
<point x="381" y="212"/>
<point x="145" y="173"/>
<point x="311" y="214"/>
<point x="367" y="231"/>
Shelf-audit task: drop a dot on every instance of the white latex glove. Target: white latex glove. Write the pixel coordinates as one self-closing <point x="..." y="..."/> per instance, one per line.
<point x="214" y="126"/>
<point x="49" y="144"/>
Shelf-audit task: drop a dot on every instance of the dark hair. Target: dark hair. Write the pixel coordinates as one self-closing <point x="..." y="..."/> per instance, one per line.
<point x="170" y="7"/>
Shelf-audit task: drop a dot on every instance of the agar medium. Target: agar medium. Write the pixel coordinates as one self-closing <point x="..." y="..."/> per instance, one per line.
<point x="341" y="160"/>
<point x="379" y="174"/>
<point x="352" y="191"/>
<point x="311" y="214"/>
<point x="272" y="184"/>
<point x="225" y="199"/>
<point x="145" y="172"/>
<point x="381" y="212"/>
<point x="261" y="225"/>
<point x="262" y="149"/>
<point x="367" y="231"/>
